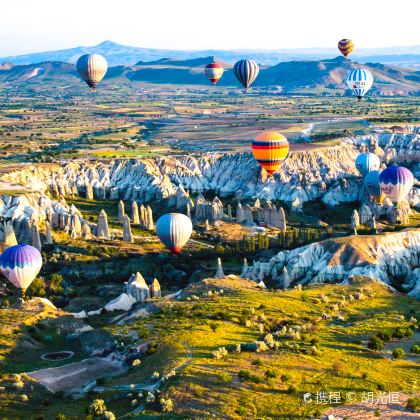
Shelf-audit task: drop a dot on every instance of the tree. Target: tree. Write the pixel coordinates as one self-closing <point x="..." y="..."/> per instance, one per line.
<point x="398" y="353"/>
<point x="97" y="407"/>
<point x="55" y="284"/>
<point x="375" y="343"/>
<point x="37" y="288"/>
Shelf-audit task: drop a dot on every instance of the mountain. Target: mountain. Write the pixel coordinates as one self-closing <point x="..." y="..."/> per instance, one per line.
<point x="310" y="76"/>
<point x="118" y="54"/>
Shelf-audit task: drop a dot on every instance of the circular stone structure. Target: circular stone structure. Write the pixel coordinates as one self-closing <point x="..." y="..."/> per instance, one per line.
<point x="57" y="355"/>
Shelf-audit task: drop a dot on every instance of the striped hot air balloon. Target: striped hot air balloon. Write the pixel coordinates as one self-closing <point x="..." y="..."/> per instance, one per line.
<point x="20" y="264"/>
<point x="270" y="149"/>
<point x="174" y="230"/>
<point x="396" y="182"/>
<point x="346" y="47"/>
<point x="246" y="71"/>
<point x="214" y="72"/>
<point x="92" y="68"/>
<point x="359" y="81"/>
<point x="366" y="162"/>
<point x="373" y="186"/>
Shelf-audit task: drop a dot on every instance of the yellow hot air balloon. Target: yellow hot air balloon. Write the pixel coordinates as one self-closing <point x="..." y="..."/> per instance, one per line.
<point x="346" y="47"/>
<point x="214" y="72"/>
<point x="92" y="68"/>
<point x="270" y="149"/>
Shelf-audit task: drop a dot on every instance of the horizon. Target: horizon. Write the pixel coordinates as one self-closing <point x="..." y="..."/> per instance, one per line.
<point x="171" y="26"/>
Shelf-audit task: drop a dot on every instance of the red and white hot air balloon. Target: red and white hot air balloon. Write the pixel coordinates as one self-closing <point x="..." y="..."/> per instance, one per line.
<point x="214" y="72"/>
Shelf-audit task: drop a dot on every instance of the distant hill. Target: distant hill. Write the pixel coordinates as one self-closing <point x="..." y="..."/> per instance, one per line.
<point x="118" y="54"/>
<point x="309" y="76"/>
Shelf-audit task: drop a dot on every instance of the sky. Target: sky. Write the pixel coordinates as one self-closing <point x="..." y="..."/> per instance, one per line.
<point x="39" y="25"/>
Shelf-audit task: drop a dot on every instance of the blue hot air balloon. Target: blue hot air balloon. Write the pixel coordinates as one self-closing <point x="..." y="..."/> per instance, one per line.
<point x="174" y="230"/>
<point x="373" y="186"/>
<point x="367" y="162"/>
<point x="20" y="264"/>
<point x="396" y="182"/>
<point x="359" y="81"/>
<point x="246" y="71"/>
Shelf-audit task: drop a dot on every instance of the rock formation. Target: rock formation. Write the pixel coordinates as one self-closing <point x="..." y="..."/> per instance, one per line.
<point x="9" y="237"/>
<point x="127" y="236"/>
<point x="154" y="289"/>
<point x="217" y="209"/>
<point x="135" y="213"/>
<point x="102" y="230"/>
<point x="284" y="279"/>
<point x="89" y="191"/>
<point x="245" y="269"/>
<point x="35" y="237"/>
<point x="86" y="232"/>
<point x="188" y="211"/>
<point x="365" y="214"/>
<point x="48" y="234"/>
<point x="206" y="226"/>
<point x="124" y="302"/>
<point x="355" y="221"/>
<point x="137" y="288"/>
<point x="240" y="214"/>
<point x="229" y="213"/>
<point x="219" y="272"/>
<point x="121" y="211"/>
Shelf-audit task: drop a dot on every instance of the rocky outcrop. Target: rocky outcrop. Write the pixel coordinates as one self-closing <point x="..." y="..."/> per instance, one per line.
<point x="8" y="237"/>
<point x="102" y="230"/>
<point x="154" y="289"/>
<point x="135" y="213"/>
<point x="392" y="258"/>
<point x="35" y="237"/>
<point x="123" y="302"/>
<point x="355" y="221"/>
<point x="121" y="211"/>
<point x="219" y="271"/>
<point x="137" y="287"/>
<point x="127" y="235"/>
<point x="48" y="234"/>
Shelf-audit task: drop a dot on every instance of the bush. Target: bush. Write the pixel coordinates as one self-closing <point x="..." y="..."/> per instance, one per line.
<point x="415" y="348"/>
<point x="257" y="362"/>
<point x="398" y="353"/>
<point x="292" y="389"/>
<point x="223" y="378"/>
<point x="246" y="375"/>
<point x="285" y="378"/>
<point x="413" y="404"/>
<point x="55" y="284"/>
<point x="220" y="353"/>
<point x="375" y="343"/>
<point x="385" y="335"/>
<point x="401" y="332"/>
<point x="270" y="373"/>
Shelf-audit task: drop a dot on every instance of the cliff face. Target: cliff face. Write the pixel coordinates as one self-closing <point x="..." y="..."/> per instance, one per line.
<point x="326" y="172"/>
<point x="393" y="258"/>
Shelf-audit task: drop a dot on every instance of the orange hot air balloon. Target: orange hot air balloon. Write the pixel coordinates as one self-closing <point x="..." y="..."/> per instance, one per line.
<point x="214" y="72"/>
<point x="270" y="149"/>
<point x="346" y="47"/>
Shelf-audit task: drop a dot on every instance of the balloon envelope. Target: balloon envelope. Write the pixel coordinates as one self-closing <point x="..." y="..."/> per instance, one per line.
<point x="270" y="149"/>
<point x="214" y="72"/>
<point x="359" y="81"/>
<point x="367" y="162"/>
<point x="373" y="186"/>
<point x="396" y="182"/>
<point x="92" y="68"/>
<point x="20" y="264"/>
<point x="346" y="46"/>
<point x="174" y="230"/>
<point x="246" y="71"/>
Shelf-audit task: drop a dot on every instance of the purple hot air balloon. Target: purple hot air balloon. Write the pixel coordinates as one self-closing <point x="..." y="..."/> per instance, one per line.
<point x="20" y="264"/>
<point x="396" y="183"/>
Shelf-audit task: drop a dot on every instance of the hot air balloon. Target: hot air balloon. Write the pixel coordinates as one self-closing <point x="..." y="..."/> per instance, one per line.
<point x="367" y="162"/>
<point x="359" y="81"/>
<point x="373" y="186"/>
<point x="346" y="47"/>
<point x="396" y="182"/>
<point x="92" y="68"/>
<point x="246" y="71"/>
<point x="20" y="264"/>
<point x="270" y="149"/>
<point x="214" y="72"/>
<point x="174" y="230"/>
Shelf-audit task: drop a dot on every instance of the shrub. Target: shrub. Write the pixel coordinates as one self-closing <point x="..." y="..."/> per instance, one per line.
<point x="223" y="378"/>
<point x="292" y="389"/>
<point x="398" y="353"/>
<point x="213" y="326"/>
<point x="261" y="346"/>
<point x="314" y="341"/>
<point x="385" y="335"/>
<point x="246" y="375"/>
<point x="257" y="362"/>
<point x="97" y="407"/>
<point x="136" y="362"/>
<point x="220" y="353"/>
<point x="413" y="404"/>
<point x="55" y="284"/>
<point x="285" y="378"/>
<point x="415" y="348"/>
<point x="401" y="332"/>
<point x="166" y="405"/>
<point x="375" y="343"/>
<point x="270" y="373"/>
